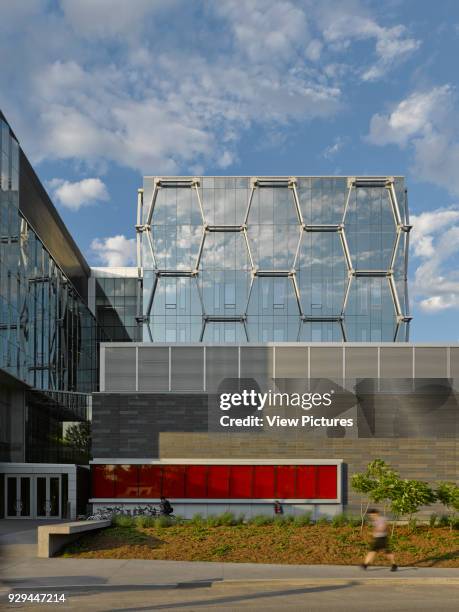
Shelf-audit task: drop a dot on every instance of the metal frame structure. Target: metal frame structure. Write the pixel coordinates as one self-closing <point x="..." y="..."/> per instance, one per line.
<point x="402" y="228"/>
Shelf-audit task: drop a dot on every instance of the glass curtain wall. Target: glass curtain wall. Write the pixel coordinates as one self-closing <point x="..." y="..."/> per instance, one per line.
<point x="116" y="308"/>
<point x="48" y="336"/>
<point x="274" y="259"/>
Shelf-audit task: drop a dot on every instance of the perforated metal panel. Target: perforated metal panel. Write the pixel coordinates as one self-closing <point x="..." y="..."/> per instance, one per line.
<point x="257" y="362"/>
<point x="187" y="368"/>
<point x="326" y="362"/>
<point x="153" y="368"/>
<point x="454" y="361"/>
<point x="361" y="362"/>
<point x="120" y="369"/>
<point x="430" y="362"/>
<point x="396" y="362"/>
<point x="292" y="362"/>
<point x="221" y="363"/>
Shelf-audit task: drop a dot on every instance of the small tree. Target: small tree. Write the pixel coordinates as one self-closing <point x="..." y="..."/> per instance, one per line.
<point x="376" y="484"/>
<point x="364" y="485"/>
<point x="407" y="496"/>
<point x="78" y="436"/>
<point x="447" y="493"/>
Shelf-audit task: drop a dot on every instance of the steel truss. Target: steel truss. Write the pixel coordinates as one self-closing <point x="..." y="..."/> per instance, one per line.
<point x="145" y="210"/>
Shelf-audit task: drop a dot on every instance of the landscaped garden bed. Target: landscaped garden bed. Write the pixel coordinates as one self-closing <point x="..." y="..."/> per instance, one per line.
<point x="264" y="540"/>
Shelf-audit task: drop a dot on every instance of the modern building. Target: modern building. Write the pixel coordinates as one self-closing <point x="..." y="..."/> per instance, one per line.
<point x="161" y="422"/>
<point x="256" y="301"/>
<point x="274" y="259"/>
<point x="48" y="346"/>
<point x="287" y="288"/>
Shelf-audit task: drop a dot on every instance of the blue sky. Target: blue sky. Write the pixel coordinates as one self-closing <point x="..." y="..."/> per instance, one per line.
<point x="100" y="92"/>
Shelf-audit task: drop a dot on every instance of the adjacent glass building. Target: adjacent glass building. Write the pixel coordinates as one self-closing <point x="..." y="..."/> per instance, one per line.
<point x="273" y="259"/>
<point x="48" y="336"/>
<point x="114" y="296"/>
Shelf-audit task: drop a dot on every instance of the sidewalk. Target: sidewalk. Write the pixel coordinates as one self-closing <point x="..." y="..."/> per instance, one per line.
<point x="21" y="570"/>
<point x="114" y="573"/>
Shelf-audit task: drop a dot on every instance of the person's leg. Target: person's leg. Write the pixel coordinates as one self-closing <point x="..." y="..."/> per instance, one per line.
<point x="370" y="557"/>
<point x="393" y="565"/>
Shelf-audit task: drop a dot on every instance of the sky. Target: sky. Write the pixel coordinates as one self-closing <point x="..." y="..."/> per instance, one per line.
<point x="102" y="92"/>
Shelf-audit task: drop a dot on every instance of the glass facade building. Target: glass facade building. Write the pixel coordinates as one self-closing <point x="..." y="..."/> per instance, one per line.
<point x="115" y="294"/>
<point x="273" y="259"/>
<point x="48" y="336"/>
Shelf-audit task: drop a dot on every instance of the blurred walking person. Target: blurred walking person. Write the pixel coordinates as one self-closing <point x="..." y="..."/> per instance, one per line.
<point x="380" y="540"/>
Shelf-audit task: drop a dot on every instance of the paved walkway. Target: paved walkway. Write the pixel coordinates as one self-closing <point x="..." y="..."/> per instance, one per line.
<point x="21" y="570"/>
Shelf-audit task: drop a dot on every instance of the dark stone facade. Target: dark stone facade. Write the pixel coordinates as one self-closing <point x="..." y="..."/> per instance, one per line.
<point x="417" y="436"/>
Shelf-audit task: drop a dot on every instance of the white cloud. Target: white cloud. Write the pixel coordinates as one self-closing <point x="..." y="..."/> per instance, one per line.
<point x="114" y="251"/>
<point x="412" y="118"/>
<point x="108" y="80"/>
<point x="428" y="123"/>
<point x="105" y="18"/>
<point x="343" y="25"/>
<point x="266" y="30"/>
<point x="435" y="246"/>
<point x="80" y="193"/>
<point x="330" y="151"/>
<point x="226" y="159"/>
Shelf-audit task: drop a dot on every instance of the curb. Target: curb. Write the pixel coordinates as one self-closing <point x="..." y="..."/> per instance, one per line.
<point x="196" y="584"/>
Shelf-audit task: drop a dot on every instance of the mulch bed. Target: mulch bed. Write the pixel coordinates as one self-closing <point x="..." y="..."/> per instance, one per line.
<point x="289" y="544"/>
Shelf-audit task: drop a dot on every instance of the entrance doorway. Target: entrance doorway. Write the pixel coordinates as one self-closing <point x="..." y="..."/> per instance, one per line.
<point x="18" y="496"/>
<point x="33" y="496"/>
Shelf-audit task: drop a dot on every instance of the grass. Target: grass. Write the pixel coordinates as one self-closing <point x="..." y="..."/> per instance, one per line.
<point x="265" y="540"/>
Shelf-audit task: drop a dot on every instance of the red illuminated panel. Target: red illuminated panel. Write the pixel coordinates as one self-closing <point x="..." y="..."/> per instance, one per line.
<point x="241" y="479"/>
<point x="305" y="482"/>
<point x="173" y="481"/>
<point x="218" y="481"/>
<point x="285" y="477"/>
<point x="126" y="481"/>
<point x="150" y="481"/>
<point x="103" y="480"/>
<point x="263" y="482"/>
<point x="215" y="481"/>
<point x="196" y="481"/>
<point x="327" y="482"/>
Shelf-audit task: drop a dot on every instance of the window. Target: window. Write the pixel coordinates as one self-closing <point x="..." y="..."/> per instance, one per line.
<point x="242" y="481"/>
<point x="279" y="293"/>
<point x="230" y="295"/>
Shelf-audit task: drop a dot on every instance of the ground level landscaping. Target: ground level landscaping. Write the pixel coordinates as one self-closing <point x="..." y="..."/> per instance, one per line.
<point x="289" y="542"/>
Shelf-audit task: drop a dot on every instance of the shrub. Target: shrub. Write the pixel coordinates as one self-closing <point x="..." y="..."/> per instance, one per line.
<point x="448" y="494"/>
<point x="339" y="520"/>
<point x="323" y="520"/>
<point x="433" y="519"/>
<point x="303" y="519"/>
<point x="227" y="519"/>
<point x="443" y="520"/>
<point x="122" y="520"/>
<point x="412" y="523"/>
<point x="145" y="521"/>
<point x="283" y="519"/>
<point x="353" y="520"/>
<point x="222" y="550"/>
<point x="163" y="521"/>
<point x="454" y="522"/>
<point x="198" y="519"/>
<point x="213" y="520"/>
<point x="261" y="519"/>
